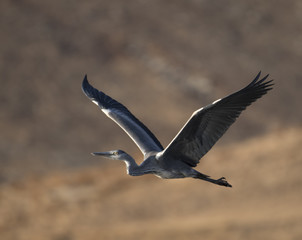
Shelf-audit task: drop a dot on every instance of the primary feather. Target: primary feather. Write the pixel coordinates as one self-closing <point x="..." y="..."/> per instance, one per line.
<point x="139" y="133"/>
<point x="209" y="123"/>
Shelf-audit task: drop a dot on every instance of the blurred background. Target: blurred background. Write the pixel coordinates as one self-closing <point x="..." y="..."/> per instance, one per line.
<point x="163" y="60"/>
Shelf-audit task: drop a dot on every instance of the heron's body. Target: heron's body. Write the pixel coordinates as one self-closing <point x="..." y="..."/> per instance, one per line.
<point x="194" y="140"/>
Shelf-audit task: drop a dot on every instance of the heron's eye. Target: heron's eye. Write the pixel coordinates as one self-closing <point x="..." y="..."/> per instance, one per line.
<point x="115" y="153"/>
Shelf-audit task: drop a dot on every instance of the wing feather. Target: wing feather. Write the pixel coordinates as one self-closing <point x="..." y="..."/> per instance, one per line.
<point x="138" y="132"/>
<point x="208" y="124"/>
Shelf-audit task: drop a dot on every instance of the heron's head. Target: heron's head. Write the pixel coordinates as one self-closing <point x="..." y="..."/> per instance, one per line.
<point x="114" y="154"/>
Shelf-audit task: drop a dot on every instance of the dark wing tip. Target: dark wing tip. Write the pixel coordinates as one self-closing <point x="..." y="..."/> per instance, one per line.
<point x="88" y="90"/>
<point x="265" y="84"/>
<point x="261" y="83"/>
<point x="256" y="89"/>
<point x="85" y="85"/>
<point x="98" y="97"/>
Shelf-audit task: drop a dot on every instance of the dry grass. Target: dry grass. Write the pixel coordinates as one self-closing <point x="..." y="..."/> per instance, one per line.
<point x="105" y="203"/>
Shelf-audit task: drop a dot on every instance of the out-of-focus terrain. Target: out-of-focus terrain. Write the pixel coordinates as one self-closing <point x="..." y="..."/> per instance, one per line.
<point x="104" y="203"/>
<point x="163" y="60"/>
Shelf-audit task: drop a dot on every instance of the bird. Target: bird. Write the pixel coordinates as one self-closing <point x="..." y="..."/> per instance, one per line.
<point x="203" y="129"/>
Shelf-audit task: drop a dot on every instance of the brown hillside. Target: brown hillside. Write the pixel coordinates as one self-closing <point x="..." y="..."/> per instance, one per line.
<point x="105" y="203"/>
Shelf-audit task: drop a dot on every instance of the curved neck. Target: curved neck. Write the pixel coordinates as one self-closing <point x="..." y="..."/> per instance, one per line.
<point x="132" y="167"/>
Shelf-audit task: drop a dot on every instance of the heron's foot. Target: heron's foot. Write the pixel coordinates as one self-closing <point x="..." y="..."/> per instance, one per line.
<point x="222" y="182"/>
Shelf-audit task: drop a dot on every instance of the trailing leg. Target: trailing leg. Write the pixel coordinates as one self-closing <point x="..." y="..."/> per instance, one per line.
<point x="221" y="181"/>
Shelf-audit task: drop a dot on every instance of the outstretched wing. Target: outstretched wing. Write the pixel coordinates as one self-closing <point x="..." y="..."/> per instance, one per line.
<point x="208" y="124"/>
<point x="137" y="131"/>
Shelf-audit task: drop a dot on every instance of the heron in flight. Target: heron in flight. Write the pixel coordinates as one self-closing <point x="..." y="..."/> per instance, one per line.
<point x="194" y="140"/>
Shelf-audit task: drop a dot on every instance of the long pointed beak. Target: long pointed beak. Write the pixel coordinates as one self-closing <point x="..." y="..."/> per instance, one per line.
<point x="105" y="154"/>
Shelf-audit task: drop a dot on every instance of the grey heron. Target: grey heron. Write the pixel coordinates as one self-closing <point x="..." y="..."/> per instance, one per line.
<point x="193" y="141"/>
